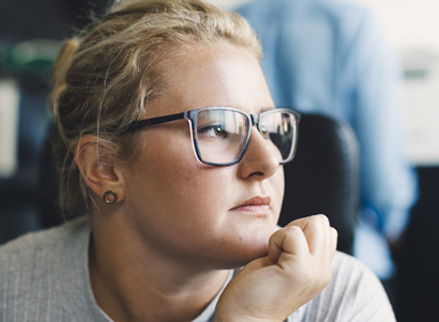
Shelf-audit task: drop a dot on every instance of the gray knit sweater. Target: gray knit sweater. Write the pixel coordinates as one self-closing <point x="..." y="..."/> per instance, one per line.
<point x="44" y="277"/>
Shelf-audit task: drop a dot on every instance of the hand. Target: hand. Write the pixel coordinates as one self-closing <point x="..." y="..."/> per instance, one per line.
<point x="297" y="268"/>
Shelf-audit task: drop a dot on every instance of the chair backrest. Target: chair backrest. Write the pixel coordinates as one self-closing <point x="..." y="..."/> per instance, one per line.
<point x="323" y="177"/>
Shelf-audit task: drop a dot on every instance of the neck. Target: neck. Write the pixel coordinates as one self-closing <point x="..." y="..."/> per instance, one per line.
<point x="132" y="283"/>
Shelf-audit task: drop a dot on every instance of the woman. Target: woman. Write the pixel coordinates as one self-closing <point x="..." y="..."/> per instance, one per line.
<point x="170" y="141"/>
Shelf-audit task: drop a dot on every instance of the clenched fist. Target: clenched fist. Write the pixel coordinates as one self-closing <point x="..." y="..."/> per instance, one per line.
<point x="297" y="268"/>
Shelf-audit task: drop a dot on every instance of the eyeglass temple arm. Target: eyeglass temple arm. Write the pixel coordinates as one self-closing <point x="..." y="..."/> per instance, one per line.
<point x="141" y="124"/>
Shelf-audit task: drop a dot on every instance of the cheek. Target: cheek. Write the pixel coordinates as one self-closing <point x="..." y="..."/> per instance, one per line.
<point x="170" y="186"/>
<point x="201" y="192"/>
<point x="180" y="206"/>
<point x="279" y="184"/>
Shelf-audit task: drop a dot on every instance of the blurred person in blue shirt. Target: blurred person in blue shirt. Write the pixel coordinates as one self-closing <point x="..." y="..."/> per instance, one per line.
<point x="331" y="57"/>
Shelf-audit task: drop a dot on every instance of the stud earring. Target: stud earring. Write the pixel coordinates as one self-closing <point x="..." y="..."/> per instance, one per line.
<point x="110" y="197"/>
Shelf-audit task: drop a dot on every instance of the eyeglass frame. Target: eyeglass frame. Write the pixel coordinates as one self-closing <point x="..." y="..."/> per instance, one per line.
<point x="191" y="117"/>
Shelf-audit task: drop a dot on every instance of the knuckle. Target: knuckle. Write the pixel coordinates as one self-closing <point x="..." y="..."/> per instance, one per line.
<point x="292" y="232"/>
<point x="293" y="229"/>
<point x="320" y="219"/>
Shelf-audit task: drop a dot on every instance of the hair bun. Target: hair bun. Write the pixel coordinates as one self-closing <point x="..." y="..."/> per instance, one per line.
<point x="60" y="68"/>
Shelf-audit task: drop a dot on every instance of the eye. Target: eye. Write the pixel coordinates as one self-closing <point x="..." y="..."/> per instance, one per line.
<point x="212" y="131"/>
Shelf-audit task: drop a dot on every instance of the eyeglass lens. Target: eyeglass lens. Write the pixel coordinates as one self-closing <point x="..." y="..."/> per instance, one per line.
<point x="222" y="135"/>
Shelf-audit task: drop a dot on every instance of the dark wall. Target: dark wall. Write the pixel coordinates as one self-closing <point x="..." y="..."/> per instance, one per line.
<point x="54" y="19"/>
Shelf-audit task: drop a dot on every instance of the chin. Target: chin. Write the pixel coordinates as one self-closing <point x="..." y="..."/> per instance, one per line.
<point x="242" y="246"/>
<point x="245" y="259"/>
<point x="249" y="252"/>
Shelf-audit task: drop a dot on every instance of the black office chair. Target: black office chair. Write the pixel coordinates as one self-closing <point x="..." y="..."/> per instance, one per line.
<point x="323" y="177"/>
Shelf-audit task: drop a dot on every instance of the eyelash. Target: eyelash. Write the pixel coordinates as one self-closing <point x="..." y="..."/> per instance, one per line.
<point x="205" y="129"/>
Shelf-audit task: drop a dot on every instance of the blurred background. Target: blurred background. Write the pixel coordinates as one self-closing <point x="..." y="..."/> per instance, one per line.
<point x="31" y="33"/>
<point x="412" y="28"/>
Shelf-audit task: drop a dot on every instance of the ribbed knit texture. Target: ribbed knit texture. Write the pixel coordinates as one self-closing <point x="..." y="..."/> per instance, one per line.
<point x="44" y="277"/>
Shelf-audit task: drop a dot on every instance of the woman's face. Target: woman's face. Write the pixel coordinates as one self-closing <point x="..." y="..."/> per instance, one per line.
<point x="220" y="217"/>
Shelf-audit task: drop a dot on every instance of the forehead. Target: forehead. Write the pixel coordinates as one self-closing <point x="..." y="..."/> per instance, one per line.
<point x="215" y="75"/>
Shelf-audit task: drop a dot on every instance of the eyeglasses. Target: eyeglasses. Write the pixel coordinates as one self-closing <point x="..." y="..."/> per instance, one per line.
<point x="221" y="135"/>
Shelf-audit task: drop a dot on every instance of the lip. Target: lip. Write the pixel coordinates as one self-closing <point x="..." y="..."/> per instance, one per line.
<point x="256" y="205"/>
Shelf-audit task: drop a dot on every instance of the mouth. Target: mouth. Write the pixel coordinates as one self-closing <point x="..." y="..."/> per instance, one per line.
<point x="257" y="205"/>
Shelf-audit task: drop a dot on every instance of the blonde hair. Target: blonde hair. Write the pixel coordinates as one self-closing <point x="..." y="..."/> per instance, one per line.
<point x="106" y="76"/>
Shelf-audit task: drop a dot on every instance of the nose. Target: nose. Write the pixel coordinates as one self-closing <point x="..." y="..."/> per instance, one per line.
<point x="261" y="159"/>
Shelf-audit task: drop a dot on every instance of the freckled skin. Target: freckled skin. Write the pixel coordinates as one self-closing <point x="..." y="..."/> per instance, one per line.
<point x="172" y="199"/>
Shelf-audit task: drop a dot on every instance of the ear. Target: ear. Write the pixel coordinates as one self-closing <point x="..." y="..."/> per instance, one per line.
<point x="97" y="168"/>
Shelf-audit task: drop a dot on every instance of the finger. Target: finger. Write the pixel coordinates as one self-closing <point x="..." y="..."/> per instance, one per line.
<point x="334" y="241"/>
<point x="321" y="237"/>
<point x="317" y="233"/>
<point x="301" y="222"/>
<point x="290" y="240"/>
<point x="304" y="221"/>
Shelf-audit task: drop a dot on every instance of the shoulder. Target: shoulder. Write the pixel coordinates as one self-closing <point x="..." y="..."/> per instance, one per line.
<point x="31" y="247"/>
<point x="344" y="265"/>
<point x="45" y="240"/>
<point x="354" y="294"/>
<point x="33" y="265"/>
